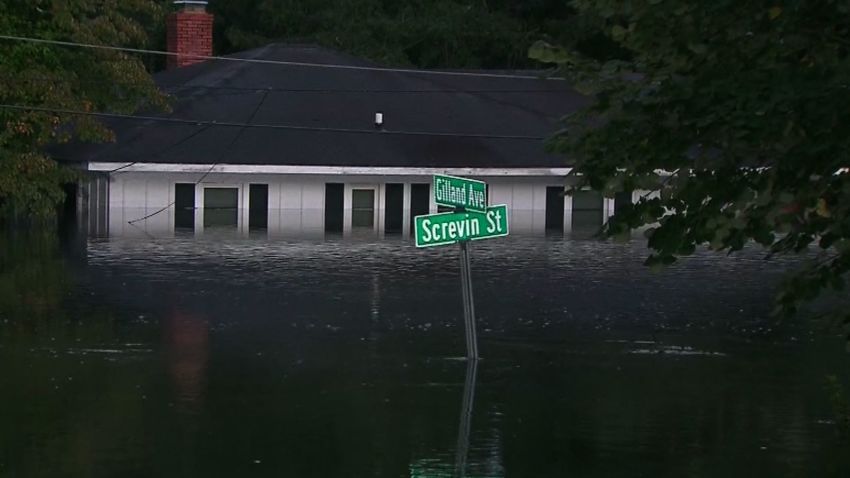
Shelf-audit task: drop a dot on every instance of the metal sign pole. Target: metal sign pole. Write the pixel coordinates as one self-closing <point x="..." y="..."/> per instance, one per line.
<point x="468" y="302"/>
<point x="472" y="218"/>
<point x="465" y="295"/>
<point x="465" y="424"/>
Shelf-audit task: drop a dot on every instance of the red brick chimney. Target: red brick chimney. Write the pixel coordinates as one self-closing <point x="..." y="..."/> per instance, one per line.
<point x="189" y="32"/>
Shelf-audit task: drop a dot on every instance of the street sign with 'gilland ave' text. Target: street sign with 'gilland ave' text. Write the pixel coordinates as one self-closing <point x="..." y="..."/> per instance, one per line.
<point x="452" y="227"/>
<point x="463" y="193"/>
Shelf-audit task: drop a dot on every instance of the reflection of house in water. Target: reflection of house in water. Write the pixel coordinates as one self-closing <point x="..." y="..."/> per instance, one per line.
<point x="338" y="170"/>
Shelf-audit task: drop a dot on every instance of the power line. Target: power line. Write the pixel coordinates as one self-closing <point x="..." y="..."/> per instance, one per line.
<point x="351" y="90"/>
<point x="229" y="124"/>
<point x="262" y="89"/>
<point x="238" y="135"/>
<point x="278" y="62"/>
<point x="160" y="153"/>
<point x="224" y="151"/>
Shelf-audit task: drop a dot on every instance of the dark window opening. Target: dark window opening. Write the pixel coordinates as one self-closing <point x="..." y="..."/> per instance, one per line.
<point x="555" y="208"/>
<point x="258" y="206"/>
<point x="184" y="206"/>
<point x="334" y="204"/>
<point x="621" y="200"/>
<point x="420" y="202"/>
<point x="394" y="209"/>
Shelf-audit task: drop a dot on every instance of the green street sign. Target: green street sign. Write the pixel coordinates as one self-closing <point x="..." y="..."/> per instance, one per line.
<point x="451" y="227"/>
<point x="452" y="191"/>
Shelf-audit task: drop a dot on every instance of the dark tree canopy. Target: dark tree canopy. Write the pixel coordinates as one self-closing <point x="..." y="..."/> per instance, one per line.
<point x="424" y="33"/>
<point x="66" y="78"/>
<point x="738" y="111"/>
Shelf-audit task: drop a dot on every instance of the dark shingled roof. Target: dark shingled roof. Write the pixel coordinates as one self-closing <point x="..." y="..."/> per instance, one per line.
<point x="241" y="92"/>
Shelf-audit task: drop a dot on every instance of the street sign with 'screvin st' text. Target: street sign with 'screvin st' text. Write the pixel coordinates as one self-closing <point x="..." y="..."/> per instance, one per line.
<point x="452" y="227"/>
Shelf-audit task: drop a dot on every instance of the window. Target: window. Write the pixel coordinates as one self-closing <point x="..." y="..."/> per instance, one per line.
<point x="420" y="197"/>
<point x="555" y="208"/>
<point x="334" y="203"/>
<point x="394" y="208"/>
<point x="621" y="200"/>
<point x="221" y="207"/>
<point x="587" y="211"/>
<point x="184" y="206"/>
<point x="363" y="208"/>
<point x="258" y="206"/>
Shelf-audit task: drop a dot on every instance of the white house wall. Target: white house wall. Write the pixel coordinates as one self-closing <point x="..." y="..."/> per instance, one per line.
<point x="296" y="207"/>
<point x="142" y="203"/>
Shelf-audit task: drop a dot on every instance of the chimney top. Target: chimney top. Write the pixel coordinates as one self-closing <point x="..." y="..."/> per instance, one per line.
<point x="191" y="5"/>
<point x="189" y="33"/>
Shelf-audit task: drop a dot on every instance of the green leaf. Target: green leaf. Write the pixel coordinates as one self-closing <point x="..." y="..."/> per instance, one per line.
<point x="823" y="209"/>
<point x="618" y="33"/>
<point x="546" y="53"/>
<point x="698" y="48"/>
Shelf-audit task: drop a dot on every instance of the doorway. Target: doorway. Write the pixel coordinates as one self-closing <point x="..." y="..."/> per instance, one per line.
<point x="555" y="208"/>
<point x="221" y="208"/>
<point x="362" y="209"/>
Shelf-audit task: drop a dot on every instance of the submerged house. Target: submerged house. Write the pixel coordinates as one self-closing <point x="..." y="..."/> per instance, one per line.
<point x="270" y="141"/>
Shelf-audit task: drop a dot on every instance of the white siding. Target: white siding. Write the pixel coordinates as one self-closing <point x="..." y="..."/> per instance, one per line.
<point x="539" y="207"/>
<point x="501" y="193"/>
<point x="134" y="194"/>
<point x="313" y="207"/>
<point x="297" y="202"/>
<point x="522" y="208"/>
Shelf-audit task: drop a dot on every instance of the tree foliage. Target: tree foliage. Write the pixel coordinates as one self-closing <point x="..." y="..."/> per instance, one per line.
<point x="424" y="33"/>
<point x="66" y="78"/>
<point x="737" y="112"/>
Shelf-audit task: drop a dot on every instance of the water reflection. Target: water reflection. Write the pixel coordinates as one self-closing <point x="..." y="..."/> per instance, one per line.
<point x="33" y="279"/>
<point x="224" y="356"/>
<point x="222" y="218"/>
<point x="466" y="418"/>
<point x="187" y="344"/>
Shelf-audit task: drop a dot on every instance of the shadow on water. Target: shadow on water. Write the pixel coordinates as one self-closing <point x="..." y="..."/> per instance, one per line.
<point x="222" y="356"/>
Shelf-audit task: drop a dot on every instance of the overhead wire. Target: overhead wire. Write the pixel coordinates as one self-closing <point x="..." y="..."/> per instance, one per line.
<point x="237" y="136"/>
<point x="262" y="88"/>
<point x="162" y="152"/>
<point x="230" y="124"/>
<point x="215" y="163"/>
<point x="415" y="71"/>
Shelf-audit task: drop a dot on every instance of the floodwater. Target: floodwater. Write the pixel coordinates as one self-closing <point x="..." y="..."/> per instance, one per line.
<point x="217" y="356"/>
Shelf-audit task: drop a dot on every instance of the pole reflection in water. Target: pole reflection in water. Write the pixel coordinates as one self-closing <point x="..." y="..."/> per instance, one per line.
<point x="187" y="339"/>
<point x="464" y="428"/>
